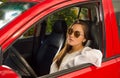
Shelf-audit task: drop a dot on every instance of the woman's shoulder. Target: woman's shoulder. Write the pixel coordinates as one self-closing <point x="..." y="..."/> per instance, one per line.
<point x="91" y="49"/>
<point x="89" y="55"/>
<point x="92" y="52"/>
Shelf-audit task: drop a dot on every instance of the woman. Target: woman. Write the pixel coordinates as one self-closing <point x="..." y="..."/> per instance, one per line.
<point x="74" y="52"/>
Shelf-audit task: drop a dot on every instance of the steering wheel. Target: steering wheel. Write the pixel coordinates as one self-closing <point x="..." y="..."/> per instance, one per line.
<point x="23" y="62"/>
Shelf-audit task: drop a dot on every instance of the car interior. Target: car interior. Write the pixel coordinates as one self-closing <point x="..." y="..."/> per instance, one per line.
<point x="33" y="55"/>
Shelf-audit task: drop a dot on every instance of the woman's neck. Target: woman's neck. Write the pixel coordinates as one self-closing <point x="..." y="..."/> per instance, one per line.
<point x="76" y="48"/>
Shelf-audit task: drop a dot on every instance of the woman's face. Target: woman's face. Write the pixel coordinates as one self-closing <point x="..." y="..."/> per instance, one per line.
<point x="76" y="40"/>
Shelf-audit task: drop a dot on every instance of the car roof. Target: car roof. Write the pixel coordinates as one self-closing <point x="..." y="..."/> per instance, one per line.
<point x="31" y="0"/>
<point x="25" y="0"/>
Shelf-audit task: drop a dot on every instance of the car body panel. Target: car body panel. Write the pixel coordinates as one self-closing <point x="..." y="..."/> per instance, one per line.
<point x="6" y="72"/>
<point x="92" y="71"/>
<point x="112" y="43"/>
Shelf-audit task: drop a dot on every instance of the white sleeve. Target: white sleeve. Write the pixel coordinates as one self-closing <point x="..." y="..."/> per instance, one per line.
<point x="53" y="67"/>
<point x="92" y="56"/>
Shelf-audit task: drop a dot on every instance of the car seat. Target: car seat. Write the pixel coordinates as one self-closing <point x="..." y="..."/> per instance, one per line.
<point x="50" y="47"/>
<point x="94" y="35"/>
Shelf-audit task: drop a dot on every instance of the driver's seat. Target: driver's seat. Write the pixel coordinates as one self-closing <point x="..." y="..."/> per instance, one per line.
<point x="50" y="47"/>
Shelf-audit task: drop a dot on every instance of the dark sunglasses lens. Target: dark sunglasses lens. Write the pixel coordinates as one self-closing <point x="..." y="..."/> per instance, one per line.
<point x="70" y="31"/>
<point x="76" y="34"/>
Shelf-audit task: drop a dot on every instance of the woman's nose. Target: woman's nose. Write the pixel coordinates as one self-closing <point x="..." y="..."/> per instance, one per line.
<point x="72" y="35"/>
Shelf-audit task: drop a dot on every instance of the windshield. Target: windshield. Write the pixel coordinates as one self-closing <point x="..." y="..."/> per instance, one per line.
<point x="9" y="11"/>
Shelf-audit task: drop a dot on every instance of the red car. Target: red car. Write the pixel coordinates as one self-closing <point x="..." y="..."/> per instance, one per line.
<point x="33" y="31"/>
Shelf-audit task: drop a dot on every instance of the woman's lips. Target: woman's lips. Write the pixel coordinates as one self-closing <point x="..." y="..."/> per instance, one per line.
<point x="71" y="39"/>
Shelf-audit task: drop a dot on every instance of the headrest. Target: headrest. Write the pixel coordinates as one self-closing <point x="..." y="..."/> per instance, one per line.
<point x="95" y="35"/>
<point x="93" y="38"/>
<point x="59" y="26"/>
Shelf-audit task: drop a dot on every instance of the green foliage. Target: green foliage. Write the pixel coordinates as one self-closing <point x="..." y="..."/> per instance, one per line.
<point x="4" y="0"/>
<point x="30" y="32"/>
<point x="69" y="15"/>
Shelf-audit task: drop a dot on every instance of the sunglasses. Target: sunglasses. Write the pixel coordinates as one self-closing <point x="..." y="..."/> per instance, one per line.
<point x="76" y="33"/>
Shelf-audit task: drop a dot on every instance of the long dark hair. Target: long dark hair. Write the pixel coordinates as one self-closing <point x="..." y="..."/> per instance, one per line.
<point x="58" y="58"/>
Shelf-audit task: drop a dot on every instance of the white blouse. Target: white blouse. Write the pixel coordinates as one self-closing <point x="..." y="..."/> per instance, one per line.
<point x="88" y="55"/>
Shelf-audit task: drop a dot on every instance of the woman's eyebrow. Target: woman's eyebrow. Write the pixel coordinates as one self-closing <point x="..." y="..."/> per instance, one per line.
<point x="78" y="30"/>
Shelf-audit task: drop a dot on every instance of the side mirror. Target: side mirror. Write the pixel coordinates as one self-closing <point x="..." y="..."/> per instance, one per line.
<point x="1" y="56"/>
